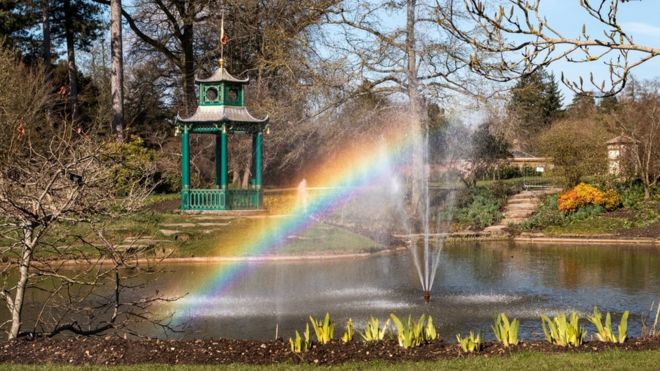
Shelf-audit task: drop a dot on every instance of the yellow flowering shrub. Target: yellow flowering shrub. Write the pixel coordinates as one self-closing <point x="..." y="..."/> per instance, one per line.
<point x="584" y="194"/>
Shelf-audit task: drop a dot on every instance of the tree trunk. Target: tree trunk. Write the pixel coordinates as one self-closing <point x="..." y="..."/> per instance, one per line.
<point x="71" y="62"/>
<point x="418" y="166"/>
<point x="117" y="81"/>
<point x="24" y="272"/>
<point x="45" y="29"/>
<point x="246" y="177"/>
<point x="188" y="68"/>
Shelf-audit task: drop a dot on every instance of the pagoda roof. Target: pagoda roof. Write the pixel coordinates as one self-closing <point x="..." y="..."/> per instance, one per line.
<point x="220" y="75"/>
<point x="215" y="114"/>
<point x="622" y="139"/>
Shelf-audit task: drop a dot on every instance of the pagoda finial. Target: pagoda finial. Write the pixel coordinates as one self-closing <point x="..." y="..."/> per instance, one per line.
<point x="223" y="37"/>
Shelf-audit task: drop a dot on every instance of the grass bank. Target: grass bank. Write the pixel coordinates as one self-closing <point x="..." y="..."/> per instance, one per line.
<point x="606" y="360"/>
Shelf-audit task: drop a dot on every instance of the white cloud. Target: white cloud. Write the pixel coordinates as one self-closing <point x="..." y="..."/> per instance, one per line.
<point x="641" y="29"/>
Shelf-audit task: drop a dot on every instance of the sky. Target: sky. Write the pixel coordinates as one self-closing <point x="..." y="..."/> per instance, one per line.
<point x="641" y="18"/>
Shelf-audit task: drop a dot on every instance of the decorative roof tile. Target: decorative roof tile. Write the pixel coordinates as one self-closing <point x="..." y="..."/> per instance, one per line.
<point x="213" y="114"/>
<point x="221" y="74"/>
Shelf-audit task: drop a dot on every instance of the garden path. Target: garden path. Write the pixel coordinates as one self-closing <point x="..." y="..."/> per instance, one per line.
<point x="519" y="207"/>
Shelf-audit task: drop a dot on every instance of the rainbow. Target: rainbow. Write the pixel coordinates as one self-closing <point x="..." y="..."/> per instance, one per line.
<point x="340" y="178"/>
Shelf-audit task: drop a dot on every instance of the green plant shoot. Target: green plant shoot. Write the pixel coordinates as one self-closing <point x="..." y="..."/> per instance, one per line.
<point x="562" y="332"/>
<point x="299" y="344"/>
<point x="410" y="334"/>
<point x="324" y="330"/>
<point x="470" y="344"/>
<point x="605" y="332"/>
<point x="506" y="332"/>
<point x="374" y="333"/>
<point x="348" y="335"/>
<point x="430" y="332"/>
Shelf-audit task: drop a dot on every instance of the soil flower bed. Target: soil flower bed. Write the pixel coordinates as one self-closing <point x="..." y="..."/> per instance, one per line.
<point x="117" y="351"/>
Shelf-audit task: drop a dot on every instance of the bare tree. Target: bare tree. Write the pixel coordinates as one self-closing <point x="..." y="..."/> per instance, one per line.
<point x="43" y="192"/>
<point x="516" y="38"/>
<point x="53" y="179"/>
<point x="415" y="59"/>
<point x="638" y="117"/>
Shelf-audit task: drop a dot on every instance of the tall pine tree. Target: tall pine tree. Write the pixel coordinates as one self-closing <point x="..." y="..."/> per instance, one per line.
<point x="535" y="103"/>
<point x="17" y="20"/>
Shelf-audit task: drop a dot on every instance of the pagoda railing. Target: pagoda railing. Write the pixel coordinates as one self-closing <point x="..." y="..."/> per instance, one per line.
<point x="218" y="199"/>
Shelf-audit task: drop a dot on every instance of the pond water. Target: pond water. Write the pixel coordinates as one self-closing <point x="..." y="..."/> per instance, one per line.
<point x="475" y="282"/>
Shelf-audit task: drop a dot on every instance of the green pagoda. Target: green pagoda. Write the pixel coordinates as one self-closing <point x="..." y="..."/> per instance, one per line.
<point x="221" y="111"/>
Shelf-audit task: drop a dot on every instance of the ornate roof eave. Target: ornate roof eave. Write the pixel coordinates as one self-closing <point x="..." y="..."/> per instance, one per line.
<point x="217" y="114"/>
<point x="622" y="139"/>
<point x="220" y="75"/>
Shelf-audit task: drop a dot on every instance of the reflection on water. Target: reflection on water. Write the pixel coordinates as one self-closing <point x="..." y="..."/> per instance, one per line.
<point x="475" y="281"/>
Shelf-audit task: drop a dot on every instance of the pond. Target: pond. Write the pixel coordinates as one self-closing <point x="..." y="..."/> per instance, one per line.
<point x="475" y="281"/>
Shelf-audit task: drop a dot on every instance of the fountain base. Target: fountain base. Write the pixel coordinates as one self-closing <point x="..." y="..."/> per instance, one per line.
<point x="427" y="296"/>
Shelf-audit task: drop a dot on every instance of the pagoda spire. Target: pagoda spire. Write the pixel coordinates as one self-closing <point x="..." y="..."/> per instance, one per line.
<point x="224" y="39"/>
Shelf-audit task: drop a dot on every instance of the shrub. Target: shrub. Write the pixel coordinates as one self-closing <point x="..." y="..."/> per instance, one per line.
<point x="584" y="194"/>
<point x="563" y="332"/>
<point x="576" y="146"/>
<point x="130" y="163"/>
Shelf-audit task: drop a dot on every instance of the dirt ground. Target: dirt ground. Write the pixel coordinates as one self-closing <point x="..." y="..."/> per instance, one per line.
<point x="118" y="351"/>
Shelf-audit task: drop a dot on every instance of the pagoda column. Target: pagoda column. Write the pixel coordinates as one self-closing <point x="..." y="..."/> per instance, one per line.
<point x="218" y="161"/>
<point x="223" y="158"/>
<point x="258" y="161"/>
<point x="185" y="159"/>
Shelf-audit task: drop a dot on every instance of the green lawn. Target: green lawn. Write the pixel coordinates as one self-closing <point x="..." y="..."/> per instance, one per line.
<point x="226" y="236"/>
<point x="607" y="360"/>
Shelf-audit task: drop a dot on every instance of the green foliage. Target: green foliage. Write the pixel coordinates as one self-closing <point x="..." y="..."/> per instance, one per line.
<point x="374" y="333"/>
<point x="547" y="214"/>
<point x="348" y="335"/>
<point x="481" y="209"/>
<point x="16" y="19"/>
<point x="409" y="334"/>
<point x="130" y="163"/>
<point x="298" y="344"/>
<point x="633" y="196"/>
<point x="84" y="17"/>
<point x="606" y="332"/>
<point x="471" y="343"/>
<point x="563" y="332"/>
<point x="506" y="332"/>
<point x="576" y="147"/>
<point x="324" y="330"/>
